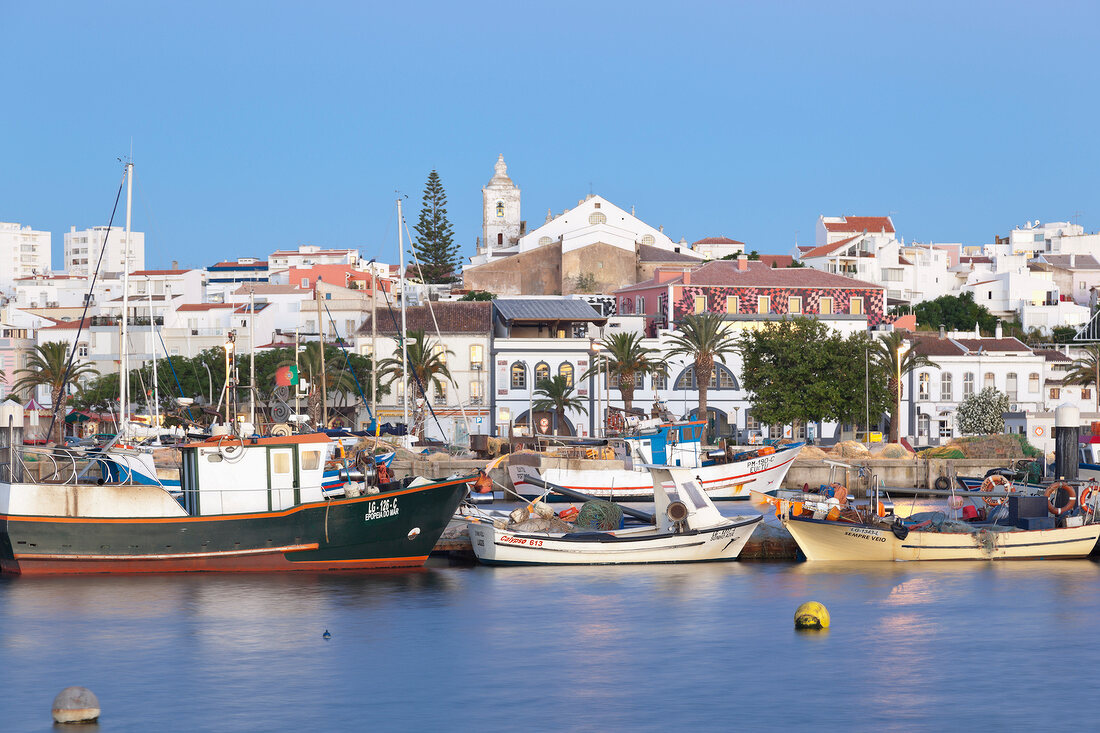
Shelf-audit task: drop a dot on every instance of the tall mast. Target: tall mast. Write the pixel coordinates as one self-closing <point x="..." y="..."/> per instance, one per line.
<point x="251" y="356"/>
<point x="124" y="362"/>
<point x="374" y="349"/>
<point x="153" y="344"/>
<point x="404" y="345"/>
<point x="321" y="343"/>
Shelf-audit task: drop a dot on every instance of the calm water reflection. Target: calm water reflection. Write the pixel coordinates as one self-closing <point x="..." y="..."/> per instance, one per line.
<point x="710" y="647"/>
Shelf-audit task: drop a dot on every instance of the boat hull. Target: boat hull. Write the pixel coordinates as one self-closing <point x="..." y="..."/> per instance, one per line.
<point x="385" y="530"/>
<point x="723" y="481"/>
<point x="822" y="540"/>
<point x="721" y="543"/>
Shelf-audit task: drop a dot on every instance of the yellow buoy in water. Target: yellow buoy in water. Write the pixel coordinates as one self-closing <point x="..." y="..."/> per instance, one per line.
<point x="811" y="615"/>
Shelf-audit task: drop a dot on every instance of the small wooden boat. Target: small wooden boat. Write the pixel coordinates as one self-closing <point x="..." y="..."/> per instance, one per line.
<point x="687" y="528"/>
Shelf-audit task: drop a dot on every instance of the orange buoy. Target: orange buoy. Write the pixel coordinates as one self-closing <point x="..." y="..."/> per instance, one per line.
<point x="1053" y="491"/>
<point x="993" y="482"/>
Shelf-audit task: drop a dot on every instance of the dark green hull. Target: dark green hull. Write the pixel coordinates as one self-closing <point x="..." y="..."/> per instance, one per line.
<point x="391" y="529"/>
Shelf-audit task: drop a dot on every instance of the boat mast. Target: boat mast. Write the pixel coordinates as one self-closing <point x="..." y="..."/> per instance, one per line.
<point x="251" y="356"/>
<point x="374" y="348"/>
<point x="321" y="344"/>
<point x="153" y="344"/>
<point x="124" y="365"/>
<point x="404" y="332"/>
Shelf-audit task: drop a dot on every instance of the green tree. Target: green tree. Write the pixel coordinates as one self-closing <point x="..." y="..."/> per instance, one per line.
<point x="894" y="359"/>
<point x="1086" y="370"/>
<point x="955" y="313"/>
<point x="982" y="413"/>
<point x="427" y="367"/>
<point x="555" y="395"/>
<point x="622" y="356"/>
<point x="478" y="295"/>
<point x="703" y="337"/>
<point x="49" y="365"/>
<point x="434" y="246"/>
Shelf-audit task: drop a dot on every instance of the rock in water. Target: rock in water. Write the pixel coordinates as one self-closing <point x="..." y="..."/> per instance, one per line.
<point x="75" y="705"/>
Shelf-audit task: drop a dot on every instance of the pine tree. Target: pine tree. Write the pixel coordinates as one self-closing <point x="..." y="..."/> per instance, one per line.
<point x="434" y="246"/>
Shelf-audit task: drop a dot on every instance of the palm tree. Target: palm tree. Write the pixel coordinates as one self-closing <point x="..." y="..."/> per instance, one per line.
<point x="555" y="394"/>
<point x="1086" y="370"/>
<point x="427" y="366"/>
<point x="309" y="367"/>
<point x="704" y="337"/>
<point x="888" y="349"/>
<point x="622" y="356"/>
<point x="49" y="365"/>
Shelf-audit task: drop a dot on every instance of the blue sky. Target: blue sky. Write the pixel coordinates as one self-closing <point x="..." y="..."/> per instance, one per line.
<point x="264" y="125"/>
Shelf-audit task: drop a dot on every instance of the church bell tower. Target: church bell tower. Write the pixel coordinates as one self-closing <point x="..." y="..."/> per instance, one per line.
<point x="500" y="218"/>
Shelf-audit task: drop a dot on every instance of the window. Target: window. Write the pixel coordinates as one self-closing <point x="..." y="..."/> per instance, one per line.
<point x="968" y="384"/>
<point x="1010" y="386"/>
<point x="647" y="239"/>
<point x="639" y="306"/>
<point x="542" y="371"/>
<point x="924" y="386"/>
<point x="720" y="378"/>
<point x="1055" y="393"/>
<point x="82" y="350"/>
<point x="311" y="460"/>
<point x="660" y="381"/>
<point x="763" y="304"/>
<point x="1086" y="393"/>
<point x="751" y="423"/>
<point x="440" y="393"/>
<point x="1033" y="383"/>
<point x="946" y="387"/>
<point x="794" y="304"/>
<point x="519" y="376"/>
<point x="988" y="381"/>
<point x="924" y="423"/>
<point x="597" y="217"/>
<point x="476" y="396"/>
<point x="440" y="351"/>
<point x="825" y="306"/>
<point x="305" y="284"/>
<point x="500" y="208"/>
<point x="280" y="462"/>
<point x="700" y="303"/>
<point x="855" y="306"/>
<point x="566" y="370"/>
<point x="733" y="304"/>
<point x="477" y="356"/>
<point x="613" y="380"/>
<point x="945" y="429"/>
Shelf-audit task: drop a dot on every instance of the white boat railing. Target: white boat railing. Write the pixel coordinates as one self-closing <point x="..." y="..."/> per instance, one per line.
<point x="25" y="464"/>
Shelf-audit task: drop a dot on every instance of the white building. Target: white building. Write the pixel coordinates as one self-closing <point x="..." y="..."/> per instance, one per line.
<point x="308" y="255"/>
<point x="501" y="225"/>
<point x="23" y="252"/>
<point x="82" y="250"/>
<point x="715" y="248"/>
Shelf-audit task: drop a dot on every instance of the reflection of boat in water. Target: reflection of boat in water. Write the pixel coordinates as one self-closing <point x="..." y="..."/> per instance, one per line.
<point x="245" y="504"/>
<point x="686" y="528"/>
<point x="723" y="474"/>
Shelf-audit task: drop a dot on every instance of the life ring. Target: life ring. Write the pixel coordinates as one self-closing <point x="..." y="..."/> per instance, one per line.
<point x="1087" y="499"/>
<point x="1053" y="491"/>
<point x="942" y="483"/>
<point x="1039" y="430"/>
<point x="384" y="476"/>
<point x="993" y="482"/>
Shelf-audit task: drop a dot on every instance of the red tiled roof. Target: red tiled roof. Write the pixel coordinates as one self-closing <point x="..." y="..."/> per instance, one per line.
<point x="828" y="249"/>
<point x="869" y="224"/>
<point x="934" y="346"/>
<point x="453" y="317"/>
<point x="650" y="253"/>
<point x="1052" y="355"/>
<point x="994" y="344"/>
<point x="717" y="240"/>
<point x="70" y="324"/>
<point x="204" y="306"/>
<point x="778" y="260"/>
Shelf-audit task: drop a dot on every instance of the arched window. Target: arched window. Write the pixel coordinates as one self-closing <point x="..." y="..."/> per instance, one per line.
<point x="519" y="375"/>
<point x="1033" y="383"/>
<point x="566" y="370"/>
<point x="597" y="217"/>
<point x="924" y="386"/>
<point x="924" y="423"/>
<point x="968" y="384"/>
<point x="1011" y="385"/>
<point x="988" y="381"/>
<point x="946" y="387"/>
<point x="542" y="371"/>
<point x="720" y="378"/>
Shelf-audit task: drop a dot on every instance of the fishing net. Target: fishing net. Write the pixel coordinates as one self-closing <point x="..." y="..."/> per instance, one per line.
<point x="599" y="515"/>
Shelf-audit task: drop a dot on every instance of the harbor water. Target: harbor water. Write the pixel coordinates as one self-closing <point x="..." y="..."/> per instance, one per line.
<point x="916" y="647"/>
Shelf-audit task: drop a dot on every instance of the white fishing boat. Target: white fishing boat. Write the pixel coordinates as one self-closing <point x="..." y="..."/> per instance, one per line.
<point x="876" y="538"/>
<point x="687" y="527"/>
<point x="724" y="474"/>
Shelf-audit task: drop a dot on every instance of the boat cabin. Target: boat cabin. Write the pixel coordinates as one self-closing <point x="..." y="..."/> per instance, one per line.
<point x="669" y="444"/>
<point x="233" y="475"/>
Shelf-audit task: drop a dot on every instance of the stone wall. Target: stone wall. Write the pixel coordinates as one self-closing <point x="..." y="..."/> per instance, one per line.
<point x="536" y="272"/>
<point x="610" y="267"/>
